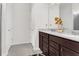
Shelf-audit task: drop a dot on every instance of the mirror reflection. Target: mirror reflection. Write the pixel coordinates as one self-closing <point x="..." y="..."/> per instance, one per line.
<point x="69" y="12"/>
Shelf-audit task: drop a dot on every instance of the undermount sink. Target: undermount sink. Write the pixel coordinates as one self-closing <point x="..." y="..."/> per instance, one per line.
<point x="71" y="32"/>
<point x="75" y="33"/>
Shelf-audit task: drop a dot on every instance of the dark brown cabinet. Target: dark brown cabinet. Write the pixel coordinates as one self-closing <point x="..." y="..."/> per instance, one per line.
<point x="52" y="45"/>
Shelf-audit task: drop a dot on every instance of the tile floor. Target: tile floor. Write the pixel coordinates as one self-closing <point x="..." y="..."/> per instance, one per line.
<point x="22" y="50"/>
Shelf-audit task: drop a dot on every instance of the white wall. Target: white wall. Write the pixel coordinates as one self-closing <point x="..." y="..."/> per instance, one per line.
<point x="40" y="15"/>
<point x="7" y="17"/>
<point x="66" y="15"/>
<point x="75" y="7"/>
<point x="53" y="12"/>
<point x="9" y="23"/>
<point x="39" y="18"/>
<point x="21" y="23"/>
<point x="3" y="29"/>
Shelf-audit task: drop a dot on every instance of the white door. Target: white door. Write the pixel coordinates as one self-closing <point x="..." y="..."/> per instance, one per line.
<point x="21" y="23"/>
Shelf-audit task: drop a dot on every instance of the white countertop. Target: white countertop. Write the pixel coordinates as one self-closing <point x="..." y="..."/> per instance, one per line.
<point x="66" y="34"/>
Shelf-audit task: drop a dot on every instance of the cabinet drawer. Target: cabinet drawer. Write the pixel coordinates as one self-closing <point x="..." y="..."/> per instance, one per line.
<point x="55" y="39"/>
<point x="68" y="52"/>
<point x="53" y="44"/>
<point x="43" y="34"/>
<point x="73" y="45"/>
<point x="53" y="50"/>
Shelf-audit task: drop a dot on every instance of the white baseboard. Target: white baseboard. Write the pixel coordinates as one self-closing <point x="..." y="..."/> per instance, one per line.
<point x="36" y="48"/>
<point x="20" y="43"/>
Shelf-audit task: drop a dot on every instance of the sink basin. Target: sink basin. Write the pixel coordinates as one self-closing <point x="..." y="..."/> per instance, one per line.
<point x="69" y="32"/>
<point x="75" y="33"/>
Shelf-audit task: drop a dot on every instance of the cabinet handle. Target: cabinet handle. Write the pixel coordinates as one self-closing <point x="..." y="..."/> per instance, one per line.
<point x="61" y="52"/>
<point x="61" y="49"/>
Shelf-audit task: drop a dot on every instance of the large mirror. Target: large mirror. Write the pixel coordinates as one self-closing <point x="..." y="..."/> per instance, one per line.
<point x="69" y="12"/>
<point x="75" y="12"/>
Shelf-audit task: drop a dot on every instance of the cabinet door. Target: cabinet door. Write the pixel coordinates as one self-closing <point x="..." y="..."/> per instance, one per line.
<point x="53" y="45"/>
<point x="68" y="52"/>
<point x="53" y="51"/>
<point x="45" y="46"/>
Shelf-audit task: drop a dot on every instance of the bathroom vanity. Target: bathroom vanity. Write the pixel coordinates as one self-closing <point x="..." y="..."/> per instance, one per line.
<point x="58" y="44"/>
